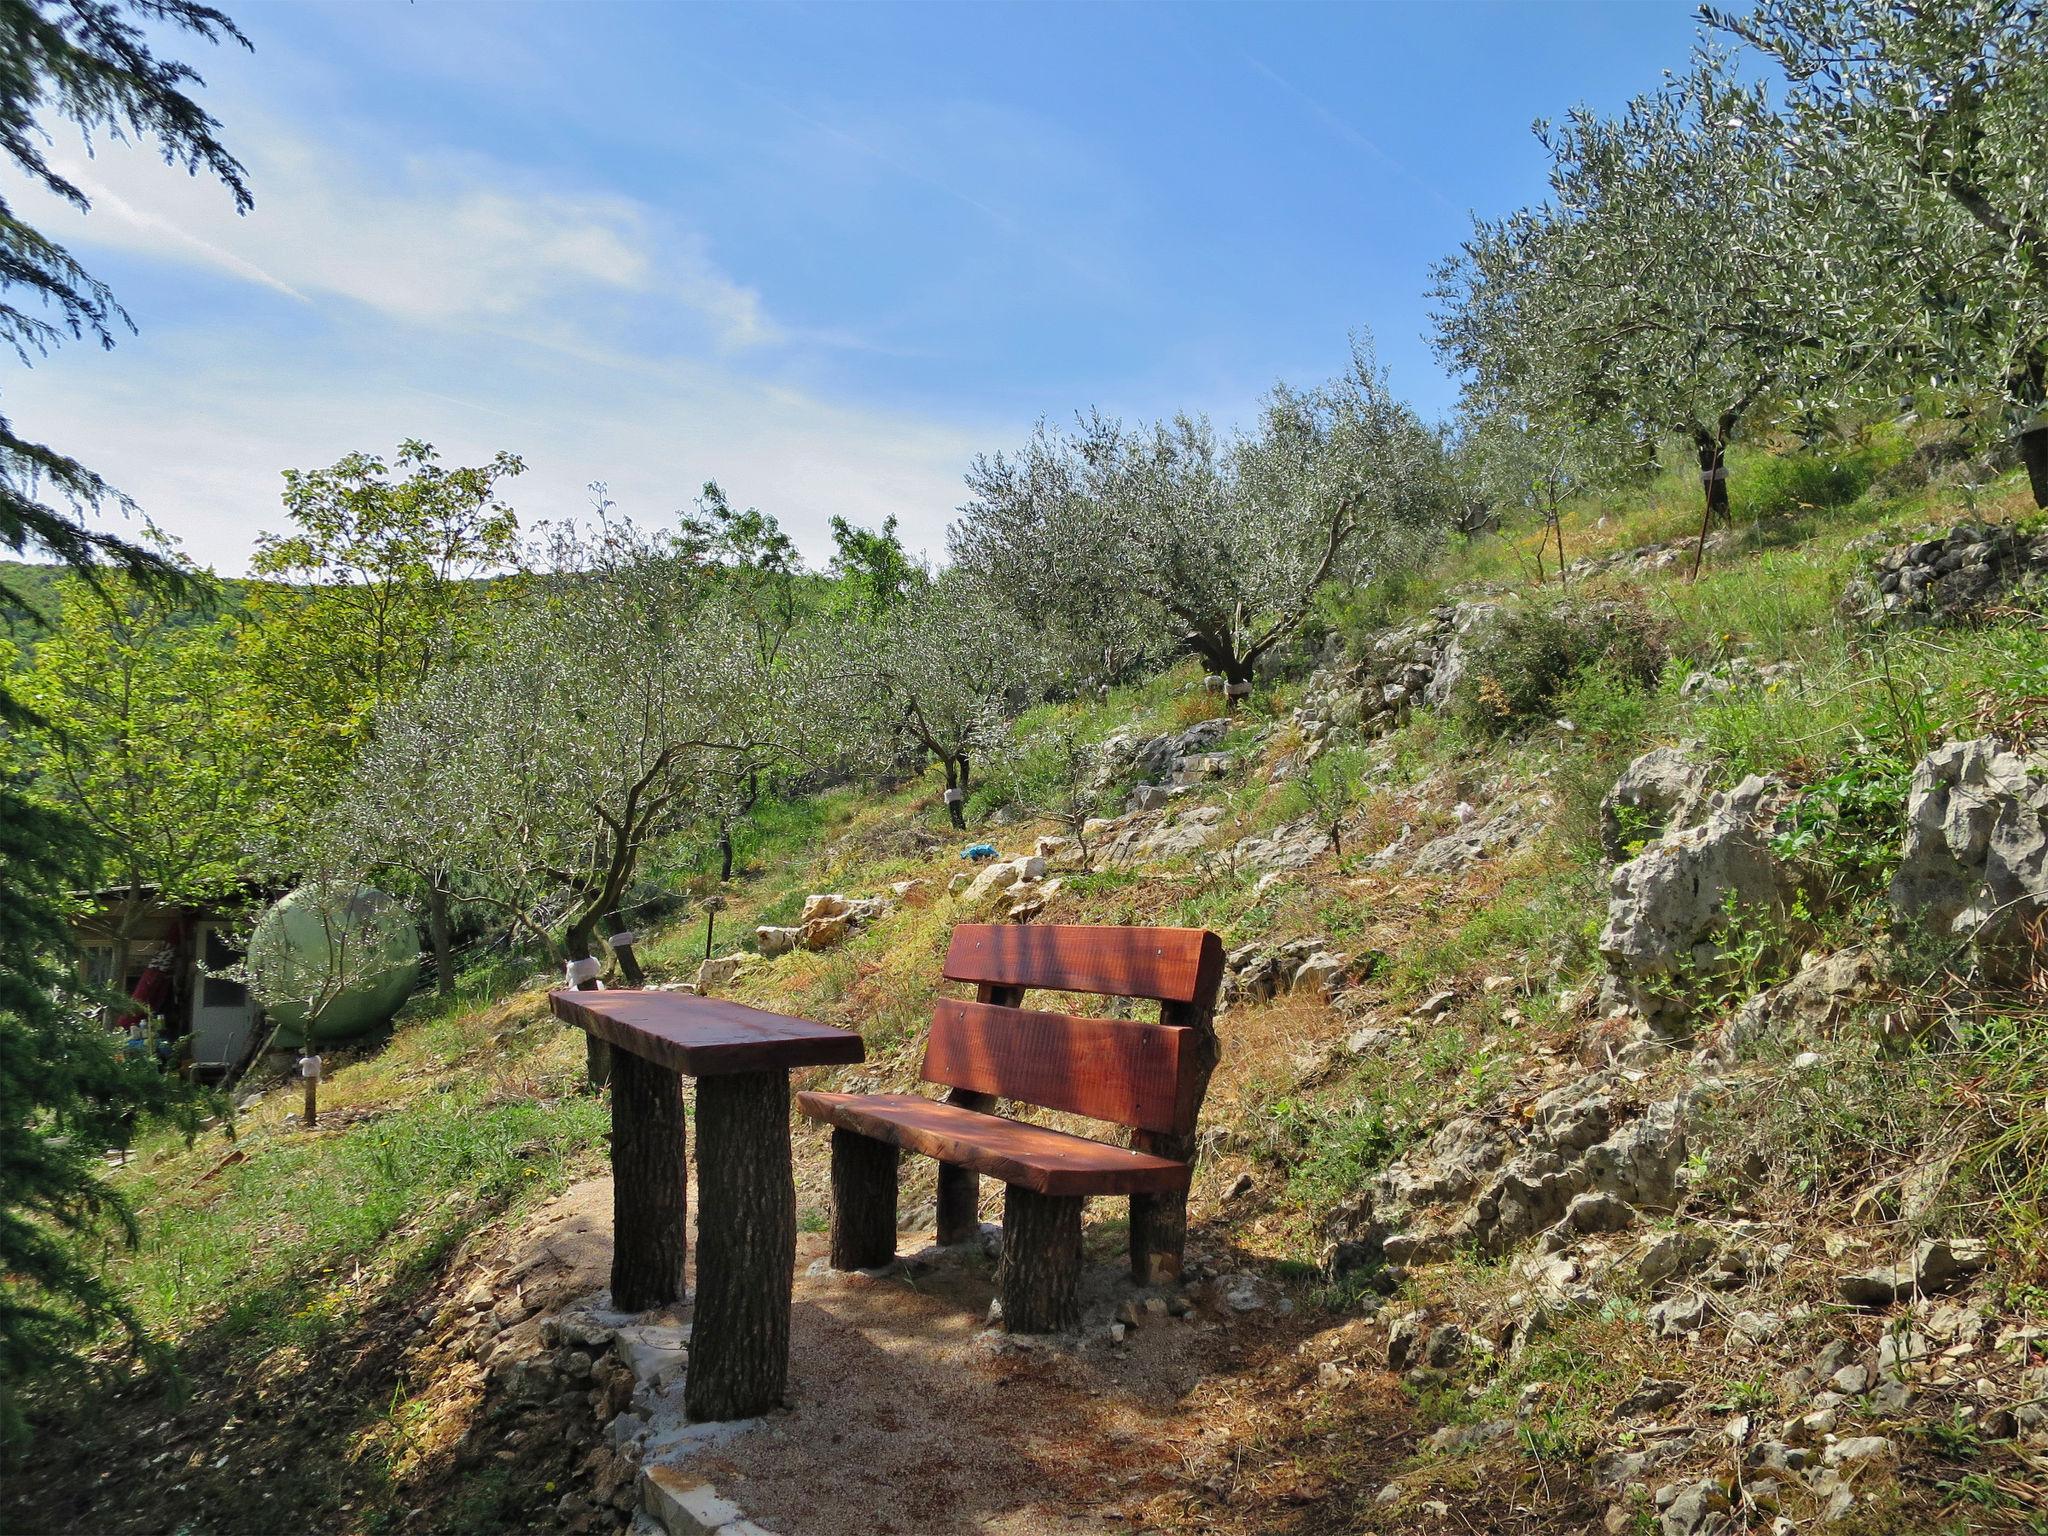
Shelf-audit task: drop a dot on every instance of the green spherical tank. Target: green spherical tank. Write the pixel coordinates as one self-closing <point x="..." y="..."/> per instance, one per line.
<point x="333" y="962"/>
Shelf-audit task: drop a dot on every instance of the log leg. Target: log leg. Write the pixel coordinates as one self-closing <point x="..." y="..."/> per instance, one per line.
<point x="1159" y="1223"/>
<point x="746" y="1246"/>
<point x="960" y="1188"/>
<point x="1041" y="1269"/>
<point x="863" y="1200"/>
<point x="650" y="1185"/>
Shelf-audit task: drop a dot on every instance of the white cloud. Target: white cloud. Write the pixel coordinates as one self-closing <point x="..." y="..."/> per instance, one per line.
<point x="448" y="298"/>
<point x="430" y="239"/>
<point x="199" y="437"/>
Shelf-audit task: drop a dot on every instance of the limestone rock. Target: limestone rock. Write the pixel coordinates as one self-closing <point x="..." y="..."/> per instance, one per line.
<point x="996" y="877"/>
<point x="717" y="974"/>
<point x="1488" y="1186"/>
<point x="1321" y="973"/>
<point x="1824" y="990"/>
<point x="1662" y="791"/>
<point x="1669" y="908"/>
<point x="1975" y="863"/>
<point x="777" y="941"/>
<point x="1950" y="577"/>
<point x="824" y="932"/>
<point x="816" y="907"/>
<point x="1940" y="1264"/>
<point x="1475" y="840"/>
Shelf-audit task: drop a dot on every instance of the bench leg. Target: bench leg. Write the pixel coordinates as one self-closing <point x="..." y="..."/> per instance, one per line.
<point x="650" y="1184"/>
<point x="959" y="1205"/>
<point x="863" y="1200"/>
<point x="1041" y="1267"/>
<point x="746" y="1246"/>
<point x="960" y="1188"/>
<point x="1159" y="1235"/>
<point x="1159" y="1223"/>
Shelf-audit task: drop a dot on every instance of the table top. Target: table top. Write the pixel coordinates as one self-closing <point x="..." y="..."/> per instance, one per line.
<point x="704" y="1036"/>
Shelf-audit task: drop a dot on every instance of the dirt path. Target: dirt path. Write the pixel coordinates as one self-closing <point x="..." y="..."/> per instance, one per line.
<point x="906" y="1415"/>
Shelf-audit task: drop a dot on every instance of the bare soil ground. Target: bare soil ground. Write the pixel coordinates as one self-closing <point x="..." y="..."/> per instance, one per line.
<point x="905" y="1415"/>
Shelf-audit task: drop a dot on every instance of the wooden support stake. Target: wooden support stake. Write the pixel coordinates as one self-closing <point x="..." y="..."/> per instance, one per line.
<point x="1041" y="1269"/>
<point x="746" y="1246"/>
<point x="650" y="1184"/>
<point x="863" y="1200"/>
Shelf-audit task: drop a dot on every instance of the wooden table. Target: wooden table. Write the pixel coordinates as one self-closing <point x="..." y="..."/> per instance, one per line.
<point x="746" y="1228"/>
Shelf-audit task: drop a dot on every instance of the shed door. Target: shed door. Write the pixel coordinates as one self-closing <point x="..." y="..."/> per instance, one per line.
<point x="223" y="1018"/>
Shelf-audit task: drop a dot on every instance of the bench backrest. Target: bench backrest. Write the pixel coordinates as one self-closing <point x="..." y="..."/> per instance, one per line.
<point x="1146" y="1076"/>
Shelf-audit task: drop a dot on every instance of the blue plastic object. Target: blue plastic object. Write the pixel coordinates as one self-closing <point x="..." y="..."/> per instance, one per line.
<point x="978" y="851"/>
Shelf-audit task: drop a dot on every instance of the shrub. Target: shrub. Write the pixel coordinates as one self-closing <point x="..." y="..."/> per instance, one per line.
<point x="1531" y="656"/>
<point x="1797" y="482"/>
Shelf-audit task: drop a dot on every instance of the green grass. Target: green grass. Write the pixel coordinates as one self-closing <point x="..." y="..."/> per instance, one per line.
<point x="270" y="1246"/>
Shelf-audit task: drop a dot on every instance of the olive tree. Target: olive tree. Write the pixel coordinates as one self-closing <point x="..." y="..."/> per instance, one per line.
<point x="621" y="695"/>
<point x="1662" y="289"/>
<point x="1533" y="464"/>
<point x="1928" y="122"/>
<point x="945" y="671"/>
<point x="1034" y="527"/>
<point x="1221" y="542"/>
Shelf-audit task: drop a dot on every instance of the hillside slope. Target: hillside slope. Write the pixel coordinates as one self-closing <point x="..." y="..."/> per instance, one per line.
<point x="1651" y="1159"/>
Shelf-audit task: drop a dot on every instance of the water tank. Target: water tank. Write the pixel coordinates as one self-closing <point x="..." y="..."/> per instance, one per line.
<point x="333" y="961"/>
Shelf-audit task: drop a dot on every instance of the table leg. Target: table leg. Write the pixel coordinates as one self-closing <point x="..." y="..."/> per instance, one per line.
<point x="746" y="1246"/>
<point x="650" y="1184"/>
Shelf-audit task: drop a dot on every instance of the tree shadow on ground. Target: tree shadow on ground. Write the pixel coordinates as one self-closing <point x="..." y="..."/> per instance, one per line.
<point x="292" y="1433"/>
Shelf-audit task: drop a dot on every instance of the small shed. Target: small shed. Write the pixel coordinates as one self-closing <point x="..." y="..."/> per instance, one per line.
<point x="178" y="964"/>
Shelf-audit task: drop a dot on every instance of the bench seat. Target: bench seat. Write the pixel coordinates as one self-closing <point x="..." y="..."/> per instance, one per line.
<point x="1045" y="1161"/>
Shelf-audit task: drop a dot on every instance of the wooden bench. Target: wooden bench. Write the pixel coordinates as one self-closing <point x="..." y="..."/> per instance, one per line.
<point x="1147" y="1077"/>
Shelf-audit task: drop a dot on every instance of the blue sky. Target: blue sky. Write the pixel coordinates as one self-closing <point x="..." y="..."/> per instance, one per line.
<point x="821" y="253"/>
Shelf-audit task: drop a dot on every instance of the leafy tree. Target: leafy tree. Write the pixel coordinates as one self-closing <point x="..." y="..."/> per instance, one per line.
<point x="1034" y="529"/>
<point x="1928" y="122"/>
<point x="1533" y="465"/>
<point x="1329" y="789"/>
<point x="620" y="693"/>
<point x="952" y="664"/>
<point x="380" y="578"/>
<point x="145" y="733"/>
<point x="764" y="574"/>
<point x="1664" y="286"/>
<point x="89" y="63"/>
<point x="1225" y="543"/>
<point x="873" y="571"/>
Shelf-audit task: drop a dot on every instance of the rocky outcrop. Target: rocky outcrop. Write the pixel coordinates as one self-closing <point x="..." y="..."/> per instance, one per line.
<point x="1478" y="837"/>
<point x="1818" y="997"/>
<point x="1176" y="757"/>
<point x="1951" y="577"/>
<point x="1662" y="791"/>
<point x="1413" y="664"/>
<point x="1975" y="863"/>
<point x="1673" y="911"/>
<point x="1252" y="973"/>
<point x="826" y="920"/>
<point x="1488" y="1183"/>
<point x="1646" y="559"/>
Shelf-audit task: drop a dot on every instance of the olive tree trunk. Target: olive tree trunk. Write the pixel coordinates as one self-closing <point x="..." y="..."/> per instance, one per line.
<point x="2034" y="454"/>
